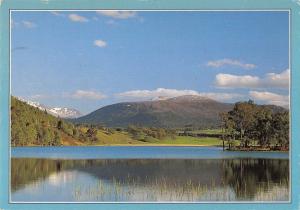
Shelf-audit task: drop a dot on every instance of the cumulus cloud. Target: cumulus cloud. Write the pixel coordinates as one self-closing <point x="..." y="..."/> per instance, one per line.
<point x="270" y="98"/>
<point x="222" y="96"/>
<point x="271" y="80"/>
<point x="28" y="24"/>
<point x="230" y="62"/>
<point x="86" y="94"/>
<point x="279" y="80"/>
<point x="163" y="93"/>
<point x="100" y="43"/>
<point x="118" y="14"/>
<point x="77" y="18"/>
<point x="159" y="92"/>
<point x="234" y="81"/>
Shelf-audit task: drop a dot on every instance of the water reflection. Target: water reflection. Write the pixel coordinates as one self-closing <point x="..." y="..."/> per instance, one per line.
<point x="150" y="179"/>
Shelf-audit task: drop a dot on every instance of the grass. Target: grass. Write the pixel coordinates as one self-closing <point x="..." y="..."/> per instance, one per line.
<point x="161" y="190"/>
<point x="115" y="138"/>
<point x="208" y="131"/>
<point x="186" y="140"/>
<point x="69" y="141"/>
<point x="124" y="138"/>
<point x="119" y="138"/>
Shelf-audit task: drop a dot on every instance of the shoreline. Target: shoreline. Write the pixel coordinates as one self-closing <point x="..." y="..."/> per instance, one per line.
<point x="128" y="145"/>
<point x="156" y="145"/>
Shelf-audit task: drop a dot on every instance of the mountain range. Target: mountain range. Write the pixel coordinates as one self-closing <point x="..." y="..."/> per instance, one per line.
<point x="177" y="112"/>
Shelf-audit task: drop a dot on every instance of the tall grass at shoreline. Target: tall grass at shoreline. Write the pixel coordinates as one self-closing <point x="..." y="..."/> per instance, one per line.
<point x="159" y="190"/>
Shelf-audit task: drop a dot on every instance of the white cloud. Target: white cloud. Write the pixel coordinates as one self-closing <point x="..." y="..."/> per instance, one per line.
<point x="222" y="96"/>
<point x="271" y="80"/>
<point x="230" y="62"/>
<point x="77" y="18"/>
<point x="39" y="96"/>
<point x="117" y="14"/>
<point x="279" y="80"/>
<point x="270" y="98"/>
<point x="163" y="93"/>
<point x="57" y="13"/>
<point x="159" y="92"/>
<point x="86" y="94"/>
<point x="28" y="24"/>
<point x="100" y="43"/>
<point x="229" y="80"/>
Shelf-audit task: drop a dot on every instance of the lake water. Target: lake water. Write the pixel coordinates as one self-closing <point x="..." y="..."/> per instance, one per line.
<point x="147" y="174"/>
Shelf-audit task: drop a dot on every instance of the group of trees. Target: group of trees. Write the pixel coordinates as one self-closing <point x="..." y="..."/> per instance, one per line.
<point x="253" y="124"/>
<point x="142" y="133"/>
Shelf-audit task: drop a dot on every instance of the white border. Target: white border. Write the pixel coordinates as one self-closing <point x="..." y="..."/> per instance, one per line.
<point x="156" y="202"/>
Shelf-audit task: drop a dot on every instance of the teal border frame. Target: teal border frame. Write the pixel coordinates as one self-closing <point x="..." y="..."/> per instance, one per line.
<point x="7" y="5"/>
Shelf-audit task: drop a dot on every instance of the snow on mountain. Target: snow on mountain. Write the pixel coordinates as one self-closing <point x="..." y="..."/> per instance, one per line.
<point x="62" y="112"/>
<point x="160" y="98"/>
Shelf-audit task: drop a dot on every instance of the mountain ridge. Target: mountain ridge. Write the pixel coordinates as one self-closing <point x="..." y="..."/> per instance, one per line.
<point x="177" y="112"/>
<point x="172" y="112"/>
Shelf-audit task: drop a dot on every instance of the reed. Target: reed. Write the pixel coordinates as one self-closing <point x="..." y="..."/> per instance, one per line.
<point x="159" y="190"/>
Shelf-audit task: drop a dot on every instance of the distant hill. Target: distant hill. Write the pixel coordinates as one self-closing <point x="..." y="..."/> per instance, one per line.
<point x="169" y="113"/>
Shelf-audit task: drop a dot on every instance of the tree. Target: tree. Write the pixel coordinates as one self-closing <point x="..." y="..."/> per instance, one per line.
<point x="228" y="129"/>
<point x="92" y="134"/>
<point x="280" y="128"/>
<point x="57" y="138"/>
<point x="59" y="124"/>
<point x="263" y="126"/>
<point x="253" y="122"/>
<point x="243" y="117"/>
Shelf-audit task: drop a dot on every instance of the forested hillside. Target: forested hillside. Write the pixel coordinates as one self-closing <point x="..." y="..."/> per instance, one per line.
<point x="33" y="126"/>
<point x="30" y="125"/>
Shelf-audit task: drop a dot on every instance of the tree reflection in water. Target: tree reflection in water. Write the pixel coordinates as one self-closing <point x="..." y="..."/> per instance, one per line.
<point x="246" y="177"/>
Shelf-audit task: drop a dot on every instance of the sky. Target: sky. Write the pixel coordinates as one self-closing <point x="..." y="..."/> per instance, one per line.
<point x="88" y="59"/>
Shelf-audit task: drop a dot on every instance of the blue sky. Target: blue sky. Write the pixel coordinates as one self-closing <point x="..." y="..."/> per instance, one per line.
<point x="89" y="59"/>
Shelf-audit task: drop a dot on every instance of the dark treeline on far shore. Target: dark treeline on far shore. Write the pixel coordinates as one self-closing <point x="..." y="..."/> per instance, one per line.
<point x="255" y="126"/>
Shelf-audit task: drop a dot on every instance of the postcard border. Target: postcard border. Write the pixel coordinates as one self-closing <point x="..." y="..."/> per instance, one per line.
<point x="292" y="151"/>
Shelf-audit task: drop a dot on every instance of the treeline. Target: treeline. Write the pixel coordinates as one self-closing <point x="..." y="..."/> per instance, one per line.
<point x="253" y="124"/>
<point x="144" y="133"/>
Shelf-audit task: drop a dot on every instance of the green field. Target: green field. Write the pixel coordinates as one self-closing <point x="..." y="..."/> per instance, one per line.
<point x="205" y="141"/>
<point x="123" y="138"/>
<point x="208" y="131"/>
